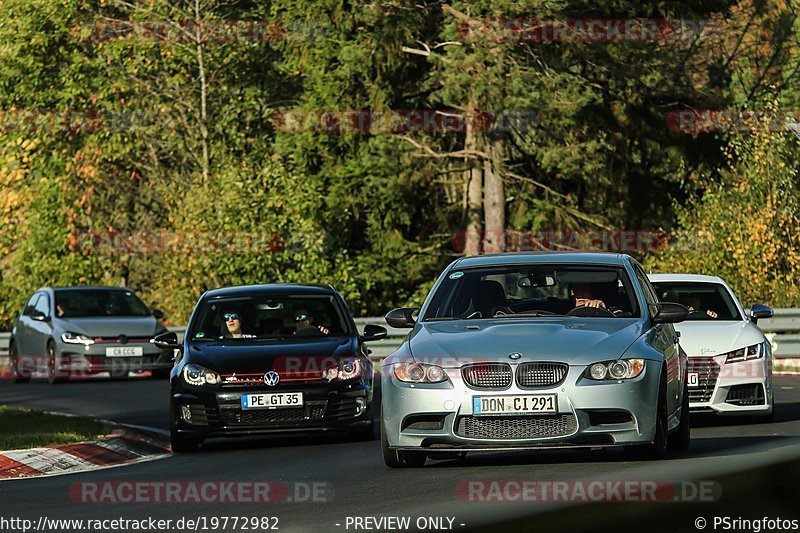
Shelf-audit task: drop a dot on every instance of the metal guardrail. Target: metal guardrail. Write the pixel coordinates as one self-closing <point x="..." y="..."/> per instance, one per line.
<point x="783" y="330"/>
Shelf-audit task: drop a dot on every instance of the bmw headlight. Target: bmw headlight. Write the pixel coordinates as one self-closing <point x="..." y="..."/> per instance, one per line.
<point x="347" y="369"/>
<point x="755" y="351"/>
<point x="197" y="376"/>
<point x="76" y="338"/>
<point x="419" y="373"/>
<point x="615" y="370"/>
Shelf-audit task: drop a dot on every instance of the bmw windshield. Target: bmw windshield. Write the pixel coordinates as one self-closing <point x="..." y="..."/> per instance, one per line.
<point x="534" y="290"/>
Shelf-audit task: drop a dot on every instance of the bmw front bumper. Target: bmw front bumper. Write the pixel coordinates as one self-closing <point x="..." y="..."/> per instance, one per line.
<point x="590" y="414"/>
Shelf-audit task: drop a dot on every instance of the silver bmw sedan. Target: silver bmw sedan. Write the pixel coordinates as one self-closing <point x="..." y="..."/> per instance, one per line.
<point x="536" y="350"/>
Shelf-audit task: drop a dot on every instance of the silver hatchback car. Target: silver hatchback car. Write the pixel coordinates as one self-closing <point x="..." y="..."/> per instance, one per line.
<point x="81" y="331"/>
<point x="536" y="350"/>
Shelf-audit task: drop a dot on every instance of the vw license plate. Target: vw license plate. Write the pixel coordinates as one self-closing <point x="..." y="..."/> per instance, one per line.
<point x="505" y="405"/>
<point x="272" y="400"/>
<point x="694" y="379"/>
<point x="124" y="351"/>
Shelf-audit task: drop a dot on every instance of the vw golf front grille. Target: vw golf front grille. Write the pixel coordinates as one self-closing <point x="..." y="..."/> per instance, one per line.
<point x="235" y="415"/>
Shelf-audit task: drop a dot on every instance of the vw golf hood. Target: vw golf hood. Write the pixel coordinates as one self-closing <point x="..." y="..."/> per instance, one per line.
<point x="227" y="357"/>
<point x="709" y="337"/>
<point x="576" y="341"/>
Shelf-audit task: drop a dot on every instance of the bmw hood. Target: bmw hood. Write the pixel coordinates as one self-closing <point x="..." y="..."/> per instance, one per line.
<point x="228" y="357"/>
<point x="708" y="338"/>
<point x="575" y="341"/>
<point x="130" y="326"/>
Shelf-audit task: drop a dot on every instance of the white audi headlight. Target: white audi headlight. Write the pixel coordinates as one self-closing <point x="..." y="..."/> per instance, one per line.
<point x="756" y="351"/>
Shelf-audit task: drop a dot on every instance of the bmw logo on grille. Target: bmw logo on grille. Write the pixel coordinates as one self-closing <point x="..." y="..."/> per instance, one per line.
<point x="271" y="378"/>
<point x="515" y="356"/>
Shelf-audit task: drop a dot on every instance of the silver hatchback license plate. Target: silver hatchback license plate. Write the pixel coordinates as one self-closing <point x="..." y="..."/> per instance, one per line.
<point x="527" y="404"/>
<point x="124" y="351"/>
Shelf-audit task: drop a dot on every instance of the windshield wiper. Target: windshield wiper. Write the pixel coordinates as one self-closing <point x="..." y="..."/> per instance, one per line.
<point x="441" y="318"/>
<point x="528" y="313"/>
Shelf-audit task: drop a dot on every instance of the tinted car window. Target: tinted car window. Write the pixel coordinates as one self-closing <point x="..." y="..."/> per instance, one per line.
<point x="43" y="305"/>
<point x="277" y="317"/>
<point x="31" y="305"/>
<point x="550" y="288"/>
<point x="705" y="301"/>
<point x="95" y="303"/>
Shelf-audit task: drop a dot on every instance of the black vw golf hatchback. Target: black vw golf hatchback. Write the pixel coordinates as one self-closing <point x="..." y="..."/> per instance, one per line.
<point x="266" y="359"/>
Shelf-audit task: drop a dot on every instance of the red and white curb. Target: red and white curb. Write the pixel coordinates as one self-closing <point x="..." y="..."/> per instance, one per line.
<point x="122" y="446"/>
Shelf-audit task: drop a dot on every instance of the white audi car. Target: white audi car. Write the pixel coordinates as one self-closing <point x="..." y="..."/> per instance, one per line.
<point x="730" y="360"/>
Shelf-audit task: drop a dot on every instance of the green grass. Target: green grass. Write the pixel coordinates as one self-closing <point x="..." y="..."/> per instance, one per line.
<point x="20" y="428"/>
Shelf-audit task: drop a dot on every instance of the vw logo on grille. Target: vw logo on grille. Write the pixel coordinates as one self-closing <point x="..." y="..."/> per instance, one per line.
<point x="271" y="378"/>
<point x="515" y="356"/>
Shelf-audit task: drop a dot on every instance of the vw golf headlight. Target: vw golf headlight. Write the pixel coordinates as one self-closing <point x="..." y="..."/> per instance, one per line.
<point x="419" y="373"/>
<point x="347" y="369"/>
<point x="76" y="338"/>
<point x="755" y="351"/>
<point x="615" y="370"/>
<point x="197" y="376"/>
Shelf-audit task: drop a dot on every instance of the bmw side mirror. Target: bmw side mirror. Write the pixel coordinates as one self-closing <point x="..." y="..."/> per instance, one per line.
<point x="158" y="313"/>
<point x="39" y="316"/>
<point x="670" y="313"/>
<point x="401" y="317"/>
<point x="760" y="311"/>
<point x="166" y="340"/>
<point x="374" y="333"/>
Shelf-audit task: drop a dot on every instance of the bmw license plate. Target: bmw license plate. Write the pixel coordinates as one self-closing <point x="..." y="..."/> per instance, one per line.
<point x="507" y="405"/>
<point x="124" y="351"/>
<point x="273" y="400"/>
<point x="694" y="379"/>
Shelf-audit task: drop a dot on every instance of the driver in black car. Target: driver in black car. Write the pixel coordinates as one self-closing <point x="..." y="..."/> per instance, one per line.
<point x="583" y="295"/>
<point x="305" y="325"/>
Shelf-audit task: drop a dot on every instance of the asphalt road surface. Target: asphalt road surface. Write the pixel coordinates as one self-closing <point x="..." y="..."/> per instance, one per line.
<point x="351" y="480"/>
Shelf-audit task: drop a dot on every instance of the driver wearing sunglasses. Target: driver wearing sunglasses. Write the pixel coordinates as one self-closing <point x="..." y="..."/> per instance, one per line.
<point x="304" y="322"/>
<point x="233" y="321"/>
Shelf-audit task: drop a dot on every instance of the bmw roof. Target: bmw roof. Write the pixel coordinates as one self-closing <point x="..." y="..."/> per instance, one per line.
<point x="515" y="258"/>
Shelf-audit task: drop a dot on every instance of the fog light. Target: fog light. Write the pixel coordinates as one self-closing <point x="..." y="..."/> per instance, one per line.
<point x="361" y="406"/>
<point x="186" y="413"/>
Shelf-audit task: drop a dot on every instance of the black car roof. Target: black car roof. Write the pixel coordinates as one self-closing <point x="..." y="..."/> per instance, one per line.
<point x="275" y="288"/>
<point x="87" y="288"/>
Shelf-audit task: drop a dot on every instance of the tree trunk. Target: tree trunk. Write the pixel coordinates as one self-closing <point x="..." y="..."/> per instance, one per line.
<point x="472" y="242"/>
<point x="494" y="201"/>
<point x="203" y="91"/>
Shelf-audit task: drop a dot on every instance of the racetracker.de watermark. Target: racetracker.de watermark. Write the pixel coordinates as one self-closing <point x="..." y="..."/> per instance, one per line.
<point x="191" y="31"/>
<point x="632" y="240"/>
<point x="369" y="121"/>
<point x="47" y="120"/>
<point x="532" y="30"/>
<point x="586" y="491"/>
<point x="142" y="242"/>
<point x="200" y="492"/>
<point x="700" y="121"/>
